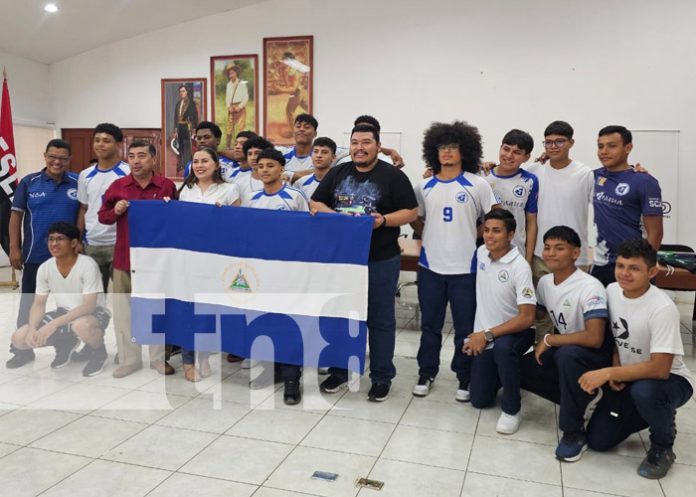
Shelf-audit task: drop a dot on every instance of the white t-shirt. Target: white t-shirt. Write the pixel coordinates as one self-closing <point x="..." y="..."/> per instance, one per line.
<point x="91" y="185"/>
<point x="451" y="209"/>
<point x="565" y="196"/>
<point x="501" y="286"/>
<point x="579" y="298"/>
<point x="248" y="186"/>
<point x="285" y="199"/>
<point x="307" y="185"/>
<point x="644" y="325"/>
<point x="84" y="279"/>
<point x="222" y="193"/>
<point x="294" y="162"/>
<point x="239" y="174"/>
<point x="517" y="193"/>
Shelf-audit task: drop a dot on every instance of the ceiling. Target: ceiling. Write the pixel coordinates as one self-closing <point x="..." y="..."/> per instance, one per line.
<point x="81" y="25"/>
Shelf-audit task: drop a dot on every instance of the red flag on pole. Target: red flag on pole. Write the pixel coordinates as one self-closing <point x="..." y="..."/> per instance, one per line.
<point x="8" y="165"/>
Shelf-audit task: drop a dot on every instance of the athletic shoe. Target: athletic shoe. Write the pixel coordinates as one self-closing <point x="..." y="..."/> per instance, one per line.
<point x="462" y="394"/>
<point x="323" y="371"/>
<point x="291" y="392"/>
<point x="657" y="463"/>
<point x="20" y="358"/>
<point x="378" y="392"/>
<point x="333" y="384"/>
<point x="422" y="388"/>
<point x="64" y="346"/>
<point x="571" y="447"/>
<point x="508" y="423"/>
<point x="81" y="355"/>
<point x="96" y="362"/>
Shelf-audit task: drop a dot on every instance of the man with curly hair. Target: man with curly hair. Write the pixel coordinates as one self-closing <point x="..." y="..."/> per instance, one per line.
<point x="449" y="205"/>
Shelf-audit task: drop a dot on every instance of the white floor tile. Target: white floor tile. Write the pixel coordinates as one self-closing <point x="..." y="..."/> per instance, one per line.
<point x="514" y="459"/>
<point x="26" y="389"/>
<point x="679" y="482"/>
<point x="276" y="425"/>
<point x="414" y="480"/>
<point x="28" y="472"/>
<point x="574" y="492"/>
<point x="356" y="405"/>
<point x="235" y="388"/>
<point x="205" y="415"/>
<point x="23" y="426"/>
<point x="685" y="448"/>
<point x="356" y="436"/>
<point x="240" y="459"/>
<point x="8" y="449"/>
<point x="109" y="479"/>
<point x="80" y="397"/>
<point x="686" y="421"/>
<point x="457" y="416"/>
<point x="274" y="492"/>
<point x="161" y="447"/>
<point x="182" y="484"/>
<point x="141" y="407"/>
<point x="479" y="485"/>
<point x="295" y="473"/>
<point x="430" y="447"/>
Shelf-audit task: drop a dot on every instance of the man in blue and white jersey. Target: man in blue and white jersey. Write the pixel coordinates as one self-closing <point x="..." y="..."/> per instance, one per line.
<point x="449" y="205"/>
<point x="247" y="179"/>
<point x="625" y="202"/>
<point x="323" y="156"/>
<point x="208" y="134"/>
<point x="517" y="189"/>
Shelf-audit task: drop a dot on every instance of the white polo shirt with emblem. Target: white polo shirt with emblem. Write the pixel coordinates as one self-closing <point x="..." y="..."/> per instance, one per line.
<point x="501" y="286"/>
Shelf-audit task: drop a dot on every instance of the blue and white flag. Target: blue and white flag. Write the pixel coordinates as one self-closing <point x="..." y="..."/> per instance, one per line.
<point x="272" y="285"/>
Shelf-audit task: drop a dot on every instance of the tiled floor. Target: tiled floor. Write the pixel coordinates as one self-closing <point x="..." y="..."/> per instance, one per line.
<point x="65" y="435"/>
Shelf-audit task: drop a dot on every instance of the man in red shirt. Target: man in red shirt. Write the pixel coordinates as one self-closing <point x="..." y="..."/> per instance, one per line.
<point x="141" y="184"/>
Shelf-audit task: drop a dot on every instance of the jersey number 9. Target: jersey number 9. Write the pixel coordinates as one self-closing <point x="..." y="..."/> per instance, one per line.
<point x="447" y="214"/>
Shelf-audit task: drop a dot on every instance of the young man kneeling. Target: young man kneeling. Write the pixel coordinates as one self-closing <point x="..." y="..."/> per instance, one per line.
<point x="647" y="380"/>
<point x="75" y="282"/>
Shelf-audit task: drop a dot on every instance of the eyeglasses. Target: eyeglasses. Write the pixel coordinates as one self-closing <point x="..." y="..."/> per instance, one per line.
<point x="57" y="238"/>
<point x="554" y="143"/>
<point x="55" y="158"/>
<point x="448" y="147"/>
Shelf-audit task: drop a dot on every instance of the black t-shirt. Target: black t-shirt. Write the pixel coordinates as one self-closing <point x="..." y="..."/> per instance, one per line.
<point x="383" y="189"/>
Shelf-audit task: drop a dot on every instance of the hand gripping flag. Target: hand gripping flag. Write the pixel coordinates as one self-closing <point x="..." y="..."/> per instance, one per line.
<point x="213" y="278"/>
<point x="8" y="166"/>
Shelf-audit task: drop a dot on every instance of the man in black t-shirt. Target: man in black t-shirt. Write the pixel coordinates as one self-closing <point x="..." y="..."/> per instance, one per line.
<point x="371" y="187"/>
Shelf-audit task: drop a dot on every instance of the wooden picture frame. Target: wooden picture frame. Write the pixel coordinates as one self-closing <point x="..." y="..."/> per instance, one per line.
<point x="244" y="70"/>
<point x="178" y="124"/>
<point x="288" y="84"/>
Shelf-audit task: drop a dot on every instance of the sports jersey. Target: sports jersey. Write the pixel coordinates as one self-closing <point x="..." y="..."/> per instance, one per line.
<point x="44" y="202"/>
<point x="285" y="199"/>
<point x="294" y="162"/>
<point x="517" y="193"/>
<point x="91" y="185"/>
<point x="307" y="184"/>
<point x="620" y="200"/>
<point x="227" y="167"/>
<point x="451" y="209"/>
<point x="580" y="297"/>
<point x="501" y="286"/>
<point x="217" y="193"/>
<point x="84" y="279"/>
<point x="564" y="199"/>
<point x="248" y="186"/>
<point x="646" y="325"/>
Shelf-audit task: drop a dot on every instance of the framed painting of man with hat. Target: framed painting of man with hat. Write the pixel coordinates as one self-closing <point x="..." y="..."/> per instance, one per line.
<point x="234" y="90"/>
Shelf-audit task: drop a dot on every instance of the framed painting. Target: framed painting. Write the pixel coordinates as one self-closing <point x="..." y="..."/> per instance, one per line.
<point x="234" y="93"/>
<point x="287" y="85"/>
<point x="183" y="107"/>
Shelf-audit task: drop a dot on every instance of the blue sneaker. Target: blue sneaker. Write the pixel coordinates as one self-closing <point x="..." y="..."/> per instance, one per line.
<point x="571" y="447"/>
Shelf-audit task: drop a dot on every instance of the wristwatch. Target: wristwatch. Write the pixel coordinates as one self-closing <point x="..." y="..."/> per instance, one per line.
<point x="488" y="334"/>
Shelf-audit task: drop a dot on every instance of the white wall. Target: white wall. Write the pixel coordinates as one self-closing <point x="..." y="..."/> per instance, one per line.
<point x="29" y="90"/>
<point x="496" y="63"/>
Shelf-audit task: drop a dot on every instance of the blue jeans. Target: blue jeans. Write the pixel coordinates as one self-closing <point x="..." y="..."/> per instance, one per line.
<point x="641" y="404"/>
<point x="500" y="366"/>
<point x="434" y="292"/>
<point x="383" y="277"/>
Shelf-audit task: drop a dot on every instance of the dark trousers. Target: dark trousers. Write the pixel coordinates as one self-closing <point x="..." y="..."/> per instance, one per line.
<point x="28" y="290"/>
<point x="383" y="277"/>
<point x="641" y="404"/>
<point x="605" y="274"/>
<point x="434" y="292"/>
<point x="500" y="366"/>
<point x="557" y="380"/>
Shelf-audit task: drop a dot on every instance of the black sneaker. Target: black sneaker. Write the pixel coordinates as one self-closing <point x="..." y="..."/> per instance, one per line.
<point x="657" y="463"/>
<point x="291" y="393"/>
<point x="96" y="362"/>
<point x="571" y="446"/>
<point x="379" y="392"/>
<point x="65" y="346"/>
<point x="333" y="384"/>
<point x="20" y="358"/>
<point x="422" y="388"/>
<point x="81" y="355"/>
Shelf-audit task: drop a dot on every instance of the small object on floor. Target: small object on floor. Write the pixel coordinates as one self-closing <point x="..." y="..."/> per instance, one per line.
<point x="96" y="362"/>
<point x="162" y="367"/>
<point x="657" y="463"/>
<point x="324" y="475"/>
<point x="378" y="392"/>
<point x="422" y="388"/>
<point x="371" y="484"/>
<point x="20" y="358"/>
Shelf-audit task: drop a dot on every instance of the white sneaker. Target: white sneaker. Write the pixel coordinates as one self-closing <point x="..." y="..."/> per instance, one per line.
<point x="422" y="388"/>
<point x="508" y="423"/>
<point x="462" y="395"/>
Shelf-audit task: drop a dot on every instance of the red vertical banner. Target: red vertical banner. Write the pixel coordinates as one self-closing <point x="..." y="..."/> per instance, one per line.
<point x="8" y="165"/>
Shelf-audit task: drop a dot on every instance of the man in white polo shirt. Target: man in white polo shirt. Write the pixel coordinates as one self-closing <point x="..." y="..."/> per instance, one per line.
<point x="505" y="308"/>
<point x="647" y="379"/>
<point x="577" y="304"/>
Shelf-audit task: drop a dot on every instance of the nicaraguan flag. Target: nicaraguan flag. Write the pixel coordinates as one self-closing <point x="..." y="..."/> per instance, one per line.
<point x="273" y="285"/>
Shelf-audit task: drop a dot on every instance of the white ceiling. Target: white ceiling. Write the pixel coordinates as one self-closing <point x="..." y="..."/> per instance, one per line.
<point x="81" y="25"/>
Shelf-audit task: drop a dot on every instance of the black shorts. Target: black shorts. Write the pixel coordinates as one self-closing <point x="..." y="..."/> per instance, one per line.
<point x="101" y="313"/>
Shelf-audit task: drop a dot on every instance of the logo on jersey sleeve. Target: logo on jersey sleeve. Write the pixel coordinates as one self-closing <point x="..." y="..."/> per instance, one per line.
<point x="622" y="189"/>
<point x="519" y="191"/>
<point x="503" y="275"/>
<point x="527" y="293"/>
<point x="462" y="197"/>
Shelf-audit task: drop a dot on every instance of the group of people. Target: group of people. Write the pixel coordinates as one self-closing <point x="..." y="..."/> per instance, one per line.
<point x="505" y="247"/>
